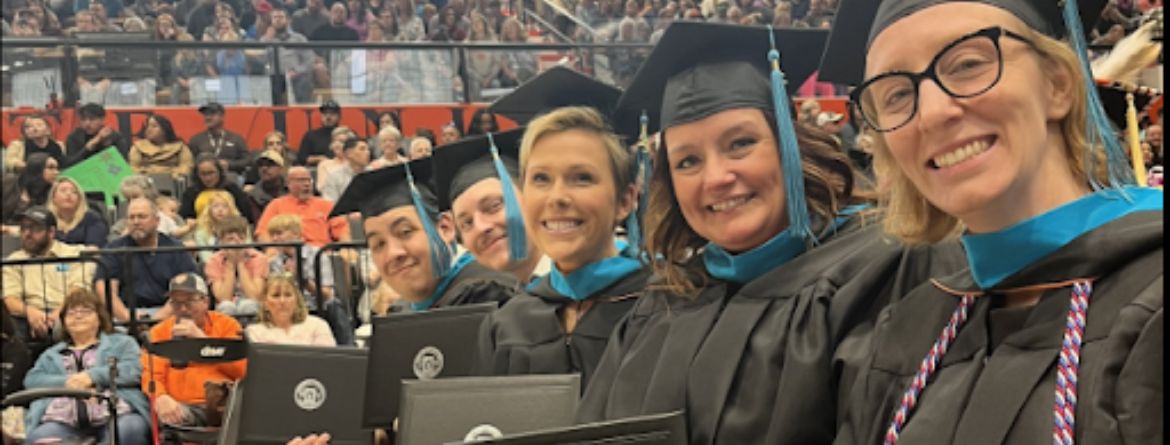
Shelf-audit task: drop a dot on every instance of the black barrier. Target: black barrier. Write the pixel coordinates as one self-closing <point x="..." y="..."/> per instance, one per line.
<point x="348" y="270"/>
<point x="126" y="254"/>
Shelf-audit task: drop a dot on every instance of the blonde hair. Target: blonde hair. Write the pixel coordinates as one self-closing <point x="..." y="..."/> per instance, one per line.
<point x="64" y="225"/>
<point x="914" y="220"/>
<point x="284" y="223"/>
<point x="204" y="221"/>
<point x="283" y="279"/>
<point x="589" y="120"/>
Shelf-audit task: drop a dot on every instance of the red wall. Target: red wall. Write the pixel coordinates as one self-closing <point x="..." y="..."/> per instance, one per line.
<point x="253" y="122"/>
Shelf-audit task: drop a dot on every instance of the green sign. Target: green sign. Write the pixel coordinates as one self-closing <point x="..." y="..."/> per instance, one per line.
<point x="102" y="172"/>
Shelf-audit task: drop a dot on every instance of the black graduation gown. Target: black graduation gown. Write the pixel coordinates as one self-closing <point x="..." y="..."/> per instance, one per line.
<point x="526" y="336"/>
<point x="477" y="284"/>
<point x="996" y="384"/>
<point x="760" y="363"/>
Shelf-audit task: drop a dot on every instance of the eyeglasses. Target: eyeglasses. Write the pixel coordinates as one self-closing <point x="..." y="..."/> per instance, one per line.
<point x="186" y="303"/>
<point x="80" y="311"/>
<point x="967" y="67"/>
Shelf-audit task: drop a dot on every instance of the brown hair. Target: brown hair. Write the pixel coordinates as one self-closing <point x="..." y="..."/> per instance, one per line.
<point x="84" y="296"/>
<point x="914" y="220"/>
<point x="283" y="279"/>
<point x="232" y="224"/>
<point x="830" y="185"/>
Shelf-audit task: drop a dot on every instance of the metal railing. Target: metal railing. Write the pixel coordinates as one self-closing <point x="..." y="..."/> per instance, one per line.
<point x="150" y="73"/>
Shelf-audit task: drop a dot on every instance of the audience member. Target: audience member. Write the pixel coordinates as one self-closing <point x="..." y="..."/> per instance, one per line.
<point x="76" y="222"/>
<point x="141" y="186"/>
<point x="356" y="156"/>
<point x="210" y="176"/>
<point x="483" y="66"/>
<point x="420" y="147"/>
<point x="517" y="66"/>
<point x="215" y="211"/>
<point x="483" y="122"/>
<point x="36" y="137"/>
<point x="284" y="317"/>
<point x="305" y="21"/>
<point x="236" y="275"/>
<point x="92" y="135"/>
<point x="390" y="140"/>
<point x="359" y="17"/>
<point x="452" y="27"/>
<point x="30" y="188"/>
<point x="81" y="360"/>
<point x="336" y="29"/>
<point x="335" y="160"/>
<point x="449" y="134"/>
<point x="160" y="151"/>
<point x="33" y="294"/>
<point x="410" y="26"/>
<point x="179" y="388"/>
<point x="227" y="146"/>
<point x="288" y="229"/>
<point x="202" y="16"/>
<point x="270" y="169"/>
<point x="296" y="62"/>
<point x="314" y="146"/>
<point x="147" y="272"/>
<point x="318" y="229"/>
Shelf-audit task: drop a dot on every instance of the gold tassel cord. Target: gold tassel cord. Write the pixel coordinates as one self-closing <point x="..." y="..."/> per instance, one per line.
<point x="1135" y="143"/>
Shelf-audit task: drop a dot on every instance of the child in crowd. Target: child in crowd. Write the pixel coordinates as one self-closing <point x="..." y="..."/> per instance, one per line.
<point x="236" y="275"/>
<point x="218" y="208"/>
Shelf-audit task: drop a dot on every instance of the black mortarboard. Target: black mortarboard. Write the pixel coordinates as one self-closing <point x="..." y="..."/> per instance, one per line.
<point x="377" y="191"/>
<point x="556" y="87"/>
<point x="460" y="165"/>
<point x="859" y="21"/>
<point x="698" y="69"/>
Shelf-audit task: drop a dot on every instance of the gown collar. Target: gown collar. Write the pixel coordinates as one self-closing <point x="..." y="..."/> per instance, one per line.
<point x="995" y="256"/>
<point x="461" y="263"/>
<point x="747" y="266"/>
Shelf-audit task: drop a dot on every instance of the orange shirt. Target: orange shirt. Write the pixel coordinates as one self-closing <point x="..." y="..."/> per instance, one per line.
<point x="186" y="384"/>
<point x="316" y="227"/>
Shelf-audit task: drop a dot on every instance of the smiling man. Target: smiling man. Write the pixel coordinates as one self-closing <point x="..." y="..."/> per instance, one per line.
<point x="413" y="251"/>
<point x="469" y="186"/>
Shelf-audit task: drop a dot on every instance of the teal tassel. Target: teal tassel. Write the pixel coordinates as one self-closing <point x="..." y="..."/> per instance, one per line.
<point x="798" y="219"/>
<point x="633" y="222"/>
<point x="440" y="251"/>
<point x="517" y="237"/>
<point x="1100" y="130"/>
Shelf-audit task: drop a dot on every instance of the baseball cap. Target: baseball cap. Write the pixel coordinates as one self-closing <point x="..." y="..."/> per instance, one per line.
<point x="40" y="215"/>
<point x="187" y="282"/>
<point x="272" y="156"/>
<point x="330" y="105"/>
<point x="211" y="107"/>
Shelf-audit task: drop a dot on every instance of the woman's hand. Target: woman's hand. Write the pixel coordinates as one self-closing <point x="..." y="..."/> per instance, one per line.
<point x="79" y="380"/>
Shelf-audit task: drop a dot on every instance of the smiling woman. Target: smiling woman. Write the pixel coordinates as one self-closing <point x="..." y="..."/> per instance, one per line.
<point x="767" y="274"/>
<point x="988" y="124"/>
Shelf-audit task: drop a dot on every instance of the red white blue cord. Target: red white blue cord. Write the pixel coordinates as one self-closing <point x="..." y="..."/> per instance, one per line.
<point x="1064" y="410"/>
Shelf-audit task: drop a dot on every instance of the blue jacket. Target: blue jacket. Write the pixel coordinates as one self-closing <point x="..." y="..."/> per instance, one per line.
<point x="49" y="372"/>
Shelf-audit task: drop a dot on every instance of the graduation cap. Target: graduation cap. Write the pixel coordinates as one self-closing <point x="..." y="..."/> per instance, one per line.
<point x="699" y="69"/>
<point x="557" y="87"/>
<point x="375" y="192"/>
<point x="860" y="21"/>
<point x="1113" y="97"/>
<point x="462" y="164"/>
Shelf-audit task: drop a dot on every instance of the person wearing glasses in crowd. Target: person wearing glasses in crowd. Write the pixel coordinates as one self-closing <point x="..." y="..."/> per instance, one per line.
<point x="81" y="361"/>
<point x="987" y="124"/>
<point x="768" y="268"/>
<point x="179" y="389"/>
<point x="34" y="294"/>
